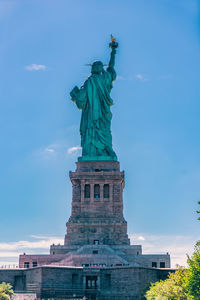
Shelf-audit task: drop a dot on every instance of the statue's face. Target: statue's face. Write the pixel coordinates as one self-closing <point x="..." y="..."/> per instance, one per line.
<point x="97" y="67"/>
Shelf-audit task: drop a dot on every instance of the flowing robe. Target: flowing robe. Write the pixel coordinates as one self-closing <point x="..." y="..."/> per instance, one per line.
<point x="94" y="100"/>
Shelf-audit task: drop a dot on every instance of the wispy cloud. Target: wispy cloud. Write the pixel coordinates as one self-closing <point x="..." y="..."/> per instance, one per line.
<point x="144" y="78"/>
<point x="9" y="252"/>
<point x="141" y="77"/>
<point x="120" y="77"/>
<point x="50" y="150"/>
<point x="35" y="67"/>
<point x="73" y="149"/>
<point x="141" y="238"/>
<point x="59" y="149"/>
<point x="177" y="245"/>
<point x="42" y="242"/>
<point x="138" y="77"/>
<point x="56" y="150"/>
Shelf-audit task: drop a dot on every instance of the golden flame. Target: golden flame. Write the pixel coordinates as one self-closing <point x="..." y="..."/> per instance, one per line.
<point x="112" y="38"/>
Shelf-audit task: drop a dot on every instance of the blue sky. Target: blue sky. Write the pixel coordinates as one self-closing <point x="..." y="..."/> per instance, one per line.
<point x="44" y="46"/>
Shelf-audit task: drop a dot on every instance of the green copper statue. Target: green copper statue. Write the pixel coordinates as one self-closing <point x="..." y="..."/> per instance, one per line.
<point x="93" y="98"/>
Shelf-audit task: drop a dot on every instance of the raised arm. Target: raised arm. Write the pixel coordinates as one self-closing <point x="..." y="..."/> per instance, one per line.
<point x="112" y="58"/>
<point x="113" y="45"/>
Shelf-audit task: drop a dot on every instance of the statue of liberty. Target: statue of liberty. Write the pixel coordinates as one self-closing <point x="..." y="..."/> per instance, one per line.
<point x="93" y="98"/>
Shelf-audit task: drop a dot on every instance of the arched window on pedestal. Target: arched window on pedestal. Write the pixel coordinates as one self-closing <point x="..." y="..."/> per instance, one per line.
<point x="96" y="191"/>
<point x="106" y="191"/>
<point x="87" y="191"/>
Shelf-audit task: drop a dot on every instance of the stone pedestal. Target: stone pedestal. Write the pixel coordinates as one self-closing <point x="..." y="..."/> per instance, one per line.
<point x="96" y="230"/>
<point x="97" y="205"/>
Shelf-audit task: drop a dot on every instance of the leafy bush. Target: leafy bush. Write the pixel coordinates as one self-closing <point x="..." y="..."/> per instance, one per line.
<point x="181" y="285"/>
<point x="5" y="291"/>
<point x="171" y="288"/>
<point x="192" y="278"/>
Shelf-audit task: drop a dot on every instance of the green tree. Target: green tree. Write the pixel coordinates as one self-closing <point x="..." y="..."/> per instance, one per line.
<point x="5" y="291"/>
<point x="198" y="211"/>
<point x="172" y="288"/>
<point x="183" y="284"/>
<point x="192" y="275"/>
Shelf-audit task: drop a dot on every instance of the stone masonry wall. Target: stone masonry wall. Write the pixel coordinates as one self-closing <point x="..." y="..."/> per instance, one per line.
<point x="97" y="218"/>
<point x="64" y="282"/>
